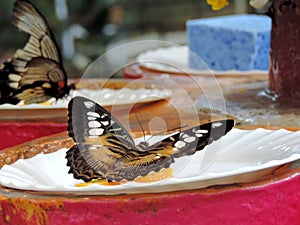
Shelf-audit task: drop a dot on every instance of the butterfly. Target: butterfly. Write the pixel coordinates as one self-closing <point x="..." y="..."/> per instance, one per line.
<point x="35" y="73"/>
<point x="105" y="150"/>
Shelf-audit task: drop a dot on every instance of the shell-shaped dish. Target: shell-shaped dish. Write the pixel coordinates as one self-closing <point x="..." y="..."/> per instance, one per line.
<point x="105" y="97"/>
<point x="240" y="156"/>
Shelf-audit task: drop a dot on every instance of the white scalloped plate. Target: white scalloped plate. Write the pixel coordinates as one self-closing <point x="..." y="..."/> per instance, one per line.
<point x="240" y="156"/>
<point x="175" y="60"/>
<point x="105" y="97"/>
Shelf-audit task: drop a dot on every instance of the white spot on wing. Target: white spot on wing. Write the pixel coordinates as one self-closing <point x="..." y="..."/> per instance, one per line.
<point x="14" y="77"/>
<point x="201" y="131"/>
<point x="216" y="124"/>
<point x="185" y="136"/>
<point x="199" y="135"/>
<point x="96" y="131"/>
<point x="91" y="118"/>
<point x="105" y="123"/>
<point x="180" y="144"/>
<point x="94" y="114"/>
<point x="89" y="104"/>
<point x="103" y="115"/>
<point x="14" y="85"/>
<point x="189" y="139"/>
<point x="94" y="124"/>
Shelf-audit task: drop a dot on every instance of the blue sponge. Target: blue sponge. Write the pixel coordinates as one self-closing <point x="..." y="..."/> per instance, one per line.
<point x="238" y="42"/>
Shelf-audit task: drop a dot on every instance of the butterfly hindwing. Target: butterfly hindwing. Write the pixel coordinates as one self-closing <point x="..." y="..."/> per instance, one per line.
<point x="79" y="166"/>
<point x="109" y="151"/>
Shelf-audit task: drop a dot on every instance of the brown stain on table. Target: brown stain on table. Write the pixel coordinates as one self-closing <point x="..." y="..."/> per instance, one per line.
<point x="30" y="210"/>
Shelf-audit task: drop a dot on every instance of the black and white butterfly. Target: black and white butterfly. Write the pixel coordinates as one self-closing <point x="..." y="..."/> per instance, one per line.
<point x="105" y="150"/>
<point x="35" y="73"/>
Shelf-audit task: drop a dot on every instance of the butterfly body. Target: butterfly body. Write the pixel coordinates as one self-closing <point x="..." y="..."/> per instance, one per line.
<point x="105" y="150"/>
<point x="35" y="73"/>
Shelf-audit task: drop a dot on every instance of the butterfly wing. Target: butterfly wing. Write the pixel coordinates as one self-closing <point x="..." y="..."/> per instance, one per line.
<point x="41" y="42"/>
<point x="162" y="154"/>
<point x="39" y="62"/>
<point x="196" y="138"/>
<point x="102" y="141"/>
<point x="8" y="82"/>
<point x="79" y="166"/>
<point x="104" y="148"/>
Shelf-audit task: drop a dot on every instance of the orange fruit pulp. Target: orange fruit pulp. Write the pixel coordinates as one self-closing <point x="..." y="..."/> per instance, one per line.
<point x="151" y="177"/>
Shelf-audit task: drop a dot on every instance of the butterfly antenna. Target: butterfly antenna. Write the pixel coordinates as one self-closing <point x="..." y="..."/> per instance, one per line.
<point x="140" y="124"/>
<point x="162" y="132"/>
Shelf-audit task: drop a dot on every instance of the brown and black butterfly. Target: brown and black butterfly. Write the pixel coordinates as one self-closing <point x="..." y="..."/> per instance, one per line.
<point x="105" y="150"/>
<point x="35" y="73"/>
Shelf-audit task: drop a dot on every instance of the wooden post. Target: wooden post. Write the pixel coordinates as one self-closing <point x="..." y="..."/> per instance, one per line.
<point x="284" y="71"/>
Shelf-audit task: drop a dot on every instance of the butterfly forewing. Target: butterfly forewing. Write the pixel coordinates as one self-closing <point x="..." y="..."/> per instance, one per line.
<point x="38" y="63"/>
<point x="196" y="138"/>
<point x="89" y="121"/>
<point x="162" y="154"/>
<point x="109" y="150"/>
<point x="41" y="42"/>
<point x="101" y="139"/>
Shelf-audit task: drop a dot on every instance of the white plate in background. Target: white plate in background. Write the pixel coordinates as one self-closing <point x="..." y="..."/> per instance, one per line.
<point x="105" y="97"/>
<point x="175" y="59"/>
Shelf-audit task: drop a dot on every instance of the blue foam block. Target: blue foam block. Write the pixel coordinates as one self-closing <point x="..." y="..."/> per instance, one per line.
<point x="238" y="42"/>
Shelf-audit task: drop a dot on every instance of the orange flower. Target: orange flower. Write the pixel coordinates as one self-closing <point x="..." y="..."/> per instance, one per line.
<point x="217" y="4"/>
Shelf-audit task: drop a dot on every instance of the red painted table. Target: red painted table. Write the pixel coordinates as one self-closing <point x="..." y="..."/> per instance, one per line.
<point x="12" y="133"/>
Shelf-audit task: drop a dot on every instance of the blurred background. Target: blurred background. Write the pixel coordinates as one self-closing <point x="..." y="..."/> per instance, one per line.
<point x="87" y="29"/>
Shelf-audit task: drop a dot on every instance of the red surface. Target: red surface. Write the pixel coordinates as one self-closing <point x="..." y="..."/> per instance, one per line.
<point x="132" y="72"/>
<point x="12" y="134"/>
<point x="276" y="203"/>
